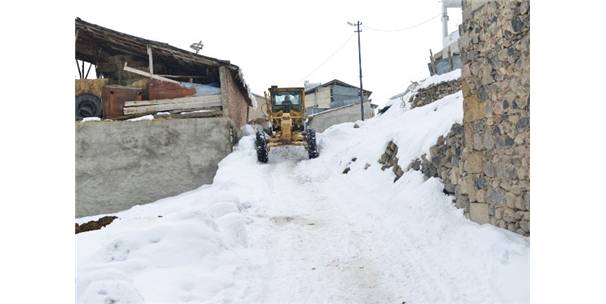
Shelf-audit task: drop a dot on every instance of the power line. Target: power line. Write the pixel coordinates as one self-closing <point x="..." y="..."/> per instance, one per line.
<point x="404" y="28"/>
<point x="328" y="58"/>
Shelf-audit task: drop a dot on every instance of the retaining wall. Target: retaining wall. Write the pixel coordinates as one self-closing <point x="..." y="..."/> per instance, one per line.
<point x="349" y="113"/>
<point x="485" y="162"/>
<point x="495" y="48"/>
<point x="120" y="164"/>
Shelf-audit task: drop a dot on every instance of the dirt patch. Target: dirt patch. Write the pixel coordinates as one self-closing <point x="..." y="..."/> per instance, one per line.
<point x="95" y="225"/>
<point x="283" y="220"/>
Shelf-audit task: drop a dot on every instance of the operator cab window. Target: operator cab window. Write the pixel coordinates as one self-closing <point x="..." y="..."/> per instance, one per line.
<point x="285" y="101"/>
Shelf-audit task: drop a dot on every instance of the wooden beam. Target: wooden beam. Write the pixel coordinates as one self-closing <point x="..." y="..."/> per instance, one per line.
<point x="205" y="114"/>
<point x="210" y="99"/>
<point x="181" y="76"/>
<point x="143" y="73"/>
<point x="184" y="103"/>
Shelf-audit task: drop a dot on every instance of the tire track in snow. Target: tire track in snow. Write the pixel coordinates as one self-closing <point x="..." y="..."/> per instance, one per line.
<point x="316" y="255"/>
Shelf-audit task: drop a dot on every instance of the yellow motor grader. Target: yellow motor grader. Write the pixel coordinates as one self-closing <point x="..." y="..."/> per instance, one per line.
<point x="286" y="114"/>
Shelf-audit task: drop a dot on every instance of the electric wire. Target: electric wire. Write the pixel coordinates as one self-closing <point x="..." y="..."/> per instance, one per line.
<point x="327" y="58"/>
<point x="404" y="28"/>
<point x="370" y="28"/>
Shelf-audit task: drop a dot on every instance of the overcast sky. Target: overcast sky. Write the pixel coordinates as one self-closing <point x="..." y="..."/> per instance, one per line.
<point x="285" y="42"/>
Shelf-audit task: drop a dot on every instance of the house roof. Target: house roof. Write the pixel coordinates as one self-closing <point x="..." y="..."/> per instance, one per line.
<point x="93" y="41"/>
<point x="335" y="82"/>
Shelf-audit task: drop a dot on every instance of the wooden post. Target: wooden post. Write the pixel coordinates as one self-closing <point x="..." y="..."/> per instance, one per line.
<point x="78" y="66"/>
<point x="151" y="60"/>
<point x="89" y="66"/>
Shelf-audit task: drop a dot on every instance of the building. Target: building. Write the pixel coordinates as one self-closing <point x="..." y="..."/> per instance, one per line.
<point x="139" y="69"/>
<point x="258" y="115"/>
<point x="330" y="95"/>
<point x="449" y="57"/>
<point x="335" y="102"/>
<point x="169" y="116"/>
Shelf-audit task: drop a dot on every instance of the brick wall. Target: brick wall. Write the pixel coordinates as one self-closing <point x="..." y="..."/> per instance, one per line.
<point x="234" y="102"/>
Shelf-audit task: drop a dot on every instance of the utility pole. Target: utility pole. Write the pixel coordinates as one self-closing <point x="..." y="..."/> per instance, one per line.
<point x="358" y="30"/>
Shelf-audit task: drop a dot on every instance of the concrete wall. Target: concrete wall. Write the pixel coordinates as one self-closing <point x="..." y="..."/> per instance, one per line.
<point x="120" y="164"/>
<point x="234" y="103"/>
<point x="319" y="98"/>
<point x="349" y="113"/>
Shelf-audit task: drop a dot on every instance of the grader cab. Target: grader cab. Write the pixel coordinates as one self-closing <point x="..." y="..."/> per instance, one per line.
<point x="286" y="113"/>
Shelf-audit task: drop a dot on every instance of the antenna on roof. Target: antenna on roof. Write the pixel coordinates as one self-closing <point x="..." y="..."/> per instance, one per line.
<point x="197" y="46"/>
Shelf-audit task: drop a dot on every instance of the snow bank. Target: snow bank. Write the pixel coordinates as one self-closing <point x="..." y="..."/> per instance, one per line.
<point x="415" y="86"/>
<point x="299" y="231"/>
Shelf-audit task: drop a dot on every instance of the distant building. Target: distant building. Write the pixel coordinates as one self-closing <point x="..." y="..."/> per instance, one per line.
<point x="330" y="95"/>
<point x="335" y="102"/>
<point x="449" y="57"/>
<point x="258" y="115"/>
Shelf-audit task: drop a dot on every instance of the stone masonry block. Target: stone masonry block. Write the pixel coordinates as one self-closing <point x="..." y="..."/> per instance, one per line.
<point x="478" y="212"/>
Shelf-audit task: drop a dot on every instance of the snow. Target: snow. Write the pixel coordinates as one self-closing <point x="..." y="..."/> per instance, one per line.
<point x="202" y="89"/>
<point x="146" y="117"/>
<point x="85" y="119"/>
<point x="415" y="86"/>
<point x="299" y="231"/>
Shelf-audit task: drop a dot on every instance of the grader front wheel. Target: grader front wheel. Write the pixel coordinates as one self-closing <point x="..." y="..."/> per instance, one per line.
<point x="261" y="147"/>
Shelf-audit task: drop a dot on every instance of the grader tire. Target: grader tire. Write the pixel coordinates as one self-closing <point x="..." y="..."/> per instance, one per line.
<point x="312" y="146"/>
<point x="261" y="147"/>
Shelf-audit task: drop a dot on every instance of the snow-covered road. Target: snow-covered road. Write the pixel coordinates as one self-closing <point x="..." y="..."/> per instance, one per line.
<point x="299" y="231"/>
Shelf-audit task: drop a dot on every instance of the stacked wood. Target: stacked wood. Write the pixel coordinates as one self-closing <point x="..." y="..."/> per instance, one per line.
<point x="194" y="114"/>
<point x="175" y="105"/>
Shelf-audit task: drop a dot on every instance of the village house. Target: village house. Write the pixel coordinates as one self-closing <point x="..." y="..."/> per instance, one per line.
<point x="332" y="94"/>
<point x="335" y="102"/>
<point x="154" y="122"/>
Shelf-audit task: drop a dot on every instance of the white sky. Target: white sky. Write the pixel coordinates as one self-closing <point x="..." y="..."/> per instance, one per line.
<point x="280" y="42"/>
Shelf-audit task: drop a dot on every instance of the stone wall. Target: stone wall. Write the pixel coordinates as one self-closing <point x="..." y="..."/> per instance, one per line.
<point x="120" y="164"/>
<point x="495" y="47"/>
<point x="434" y="92"/>
<point x="485" y="162"/>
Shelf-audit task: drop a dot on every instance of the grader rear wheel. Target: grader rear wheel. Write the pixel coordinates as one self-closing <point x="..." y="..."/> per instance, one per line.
<point x="312" y="147"/>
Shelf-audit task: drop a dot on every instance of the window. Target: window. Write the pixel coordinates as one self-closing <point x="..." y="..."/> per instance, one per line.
<point x="286" y="101"/>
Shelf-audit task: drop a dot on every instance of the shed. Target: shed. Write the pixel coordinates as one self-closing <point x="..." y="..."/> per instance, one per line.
<point x="111" y="52"/>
